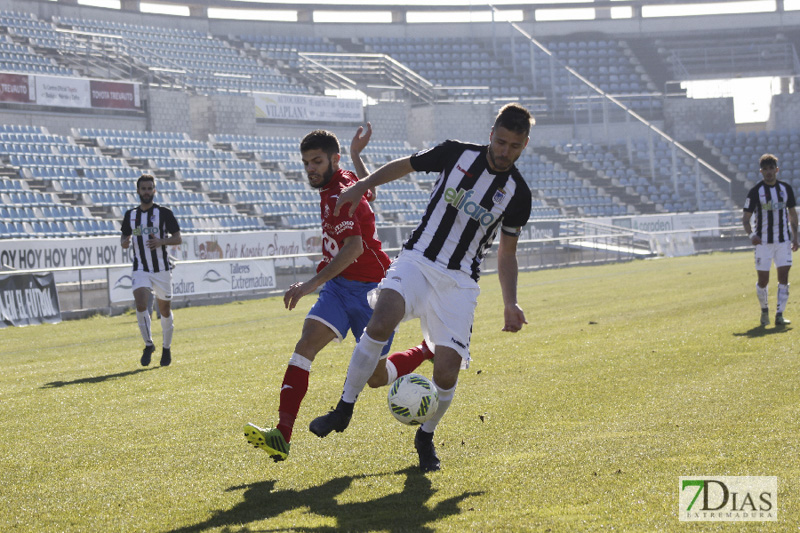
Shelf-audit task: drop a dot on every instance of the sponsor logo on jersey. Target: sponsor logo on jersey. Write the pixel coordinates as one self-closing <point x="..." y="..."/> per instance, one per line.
<point x="343" y="226"/>
<point x="773" y="206"/>
<point x="460" y="199"/>
<point x="145" y="231"/>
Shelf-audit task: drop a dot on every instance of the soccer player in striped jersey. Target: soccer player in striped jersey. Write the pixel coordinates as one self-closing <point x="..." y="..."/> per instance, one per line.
<point x="353" y="263"/>
<point x="478" y="194"/>
<point x="774" y="236"/>
<point x="152" y="228"/>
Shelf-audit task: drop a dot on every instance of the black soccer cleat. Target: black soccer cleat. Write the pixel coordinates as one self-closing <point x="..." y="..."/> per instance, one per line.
<point x="146" y="353"/>
<point x="428" y="460"/>
<point x="337" y="420"/>
<point x="166" y="357"/>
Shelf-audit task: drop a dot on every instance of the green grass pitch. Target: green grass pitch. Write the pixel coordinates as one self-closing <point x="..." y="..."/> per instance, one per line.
<point x="626" y="377"/>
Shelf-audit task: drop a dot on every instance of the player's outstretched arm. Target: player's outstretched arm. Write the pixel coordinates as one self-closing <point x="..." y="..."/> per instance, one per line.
<point x="391" y="171"/>
<point x="507" y="272"/>
<point x="357" y="145"/>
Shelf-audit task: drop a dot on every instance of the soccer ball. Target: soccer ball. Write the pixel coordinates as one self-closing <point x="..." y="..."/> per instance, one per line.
<point x="413" y="399"/>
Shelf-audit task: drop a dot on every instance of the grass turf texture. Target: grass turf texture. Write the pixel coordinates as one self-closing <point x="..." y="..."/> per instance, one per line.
<point x="627" y="377"/>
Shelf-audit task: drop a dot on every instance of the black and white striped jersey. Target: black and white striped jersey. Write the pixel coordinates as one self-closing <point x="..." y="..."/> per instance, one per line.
<point x="769" y="205"/>
<point x="468" y="204"/>
<point x="157" y="222"/>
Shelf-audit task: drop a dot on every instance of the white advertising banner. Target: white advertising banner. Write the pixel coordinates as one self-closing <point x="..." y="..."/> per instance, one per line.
<point x="203" y="278"/>
<point x="33" y="254"/>
<point x="294" y="107"/>
<point x="668" y="222"/>
<point x="63" y="92"/>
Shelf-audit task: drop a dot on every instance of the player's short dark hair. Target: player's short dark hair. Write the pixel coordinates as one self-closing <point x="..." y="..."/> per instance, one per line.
<point x="767" y="161"/>
<point x="146" y="177"/>
<point x="320" y="140"/>
<point x="516" y="118"/>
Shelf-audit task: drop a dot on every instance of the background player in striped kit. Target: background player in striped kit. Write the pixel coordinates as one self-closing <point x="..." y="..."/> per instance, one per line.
<point x="153" y="228"/>
<point x="353" y="263"/>
<point x="775" y="234"/>
<point x="479" y="192"/>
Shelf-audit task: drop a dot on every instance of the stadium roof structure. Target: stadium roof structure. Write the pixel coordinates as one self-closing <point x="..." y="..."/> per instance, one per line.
<point x="305" y="10"/>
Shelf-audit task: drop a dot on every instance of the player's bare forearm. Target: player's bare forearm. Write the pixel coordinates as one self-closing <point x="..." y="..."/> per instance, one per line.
<point x="125" y="241"/>
<point x="351" y="249"/>
<point x="507" y="274"/>
<point x="746" y="222"/>
<point x="357" y="145"/>
<point x="754" y="239"/>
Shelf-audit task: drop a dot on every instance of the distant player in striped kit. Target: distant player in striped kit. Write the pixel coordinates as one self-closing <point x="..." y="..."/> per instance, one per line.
<point x="774" y="235"/>
<point x="150" y="228"/>
<point x="478" y="194"/>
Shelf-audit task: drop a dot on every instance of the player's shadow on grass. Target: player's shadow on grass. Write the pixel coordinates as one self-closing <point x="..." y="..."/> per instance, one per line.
<point x="762" y="331"/>
<point x="404" y="511"/>
<point x="95" y="379"/>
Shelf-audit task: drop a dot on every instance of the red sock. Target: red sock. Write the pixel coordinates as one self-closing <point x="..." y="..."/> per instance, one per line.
<point x="293" y="390"/>
<point x="408" y="361"/>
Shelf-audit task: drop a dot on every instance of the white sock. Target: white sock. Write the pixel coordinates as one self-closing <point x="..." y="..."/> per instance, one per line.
<point x="143" y="318"/>
<point x="783" y="297"/>
<point x="167" y="325"/>
<point x="391" y="372"/>
<point x="763" y="296"/>
<point x="300" y="362"/>
<point x="362" y="364"/>
<point x="445" y="399"/>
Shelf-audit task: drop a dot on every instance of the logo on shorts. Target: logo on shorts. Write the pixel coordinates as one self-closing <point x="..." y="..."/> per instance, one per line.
<point x="458" y="343"/>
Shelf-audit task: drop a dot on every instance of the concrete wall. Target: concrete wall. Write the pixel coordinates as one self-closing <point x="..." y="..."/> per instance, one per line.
<point x="169" y="110"/>
<point x="428" y="125"/>
<point x="686" y="118"/>
<point x="389" y="120"/>
<point x="222" y="113"/>
<point x="785" y="111"/>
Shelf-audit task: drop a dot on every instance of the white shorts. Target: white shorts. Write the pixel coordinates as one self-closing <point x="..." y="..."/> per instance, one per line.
<point x="160" y="282"/>
<point x="780" y="252"/>
<point x="443" y="301"/>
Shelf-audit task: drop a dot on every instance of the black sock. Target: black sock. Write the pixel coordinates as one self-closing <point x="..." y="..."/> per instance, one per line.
<point x="345" y="407"/>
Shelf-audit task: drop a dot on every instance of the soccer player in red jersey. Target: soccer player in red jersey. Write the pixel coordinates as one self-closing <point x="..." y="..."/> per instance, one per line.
<point x="353" y="263"/>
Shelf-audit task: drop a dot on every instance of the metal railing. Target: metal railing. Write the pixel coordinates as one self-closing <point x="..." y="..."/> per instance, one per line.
<point x="584" y="90"/>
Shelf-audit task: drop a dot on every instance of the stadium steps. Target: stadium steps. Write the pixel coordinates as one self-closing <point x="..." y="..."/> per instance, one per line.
<point x="597" y="180"/>
<point x="648" y="57"/>
<point x="739" y="189"/>
<point x="348" y="45"/>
